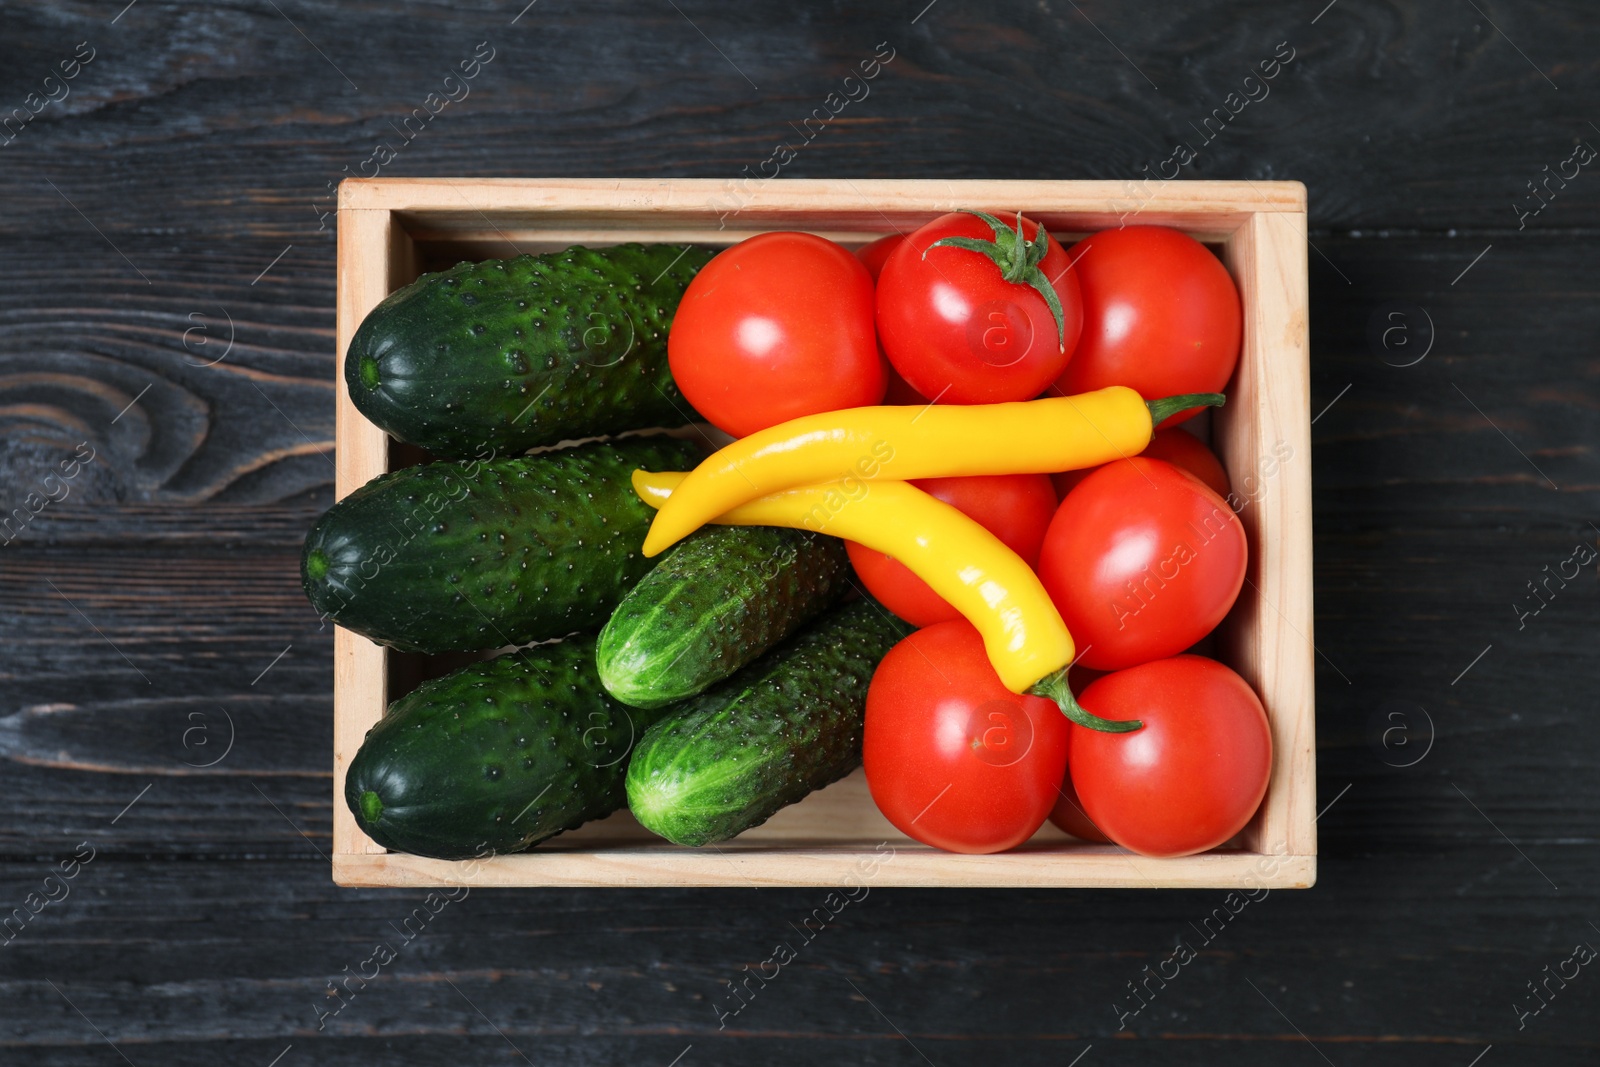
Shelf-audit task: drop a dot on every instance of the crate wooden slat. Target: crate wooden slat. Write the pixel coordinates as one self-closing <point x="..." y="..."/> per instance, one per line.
<point x="392" y="229"/>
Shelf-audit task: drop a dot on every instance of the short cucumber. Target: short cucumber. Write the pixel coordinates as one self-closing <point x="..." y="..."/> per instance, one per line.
<point x="498" y="357"/>
<point x="715" y="602"/>
<point x="495" y="757"/>
<point x="463" y="556"/>
<point x="784" y="726"/>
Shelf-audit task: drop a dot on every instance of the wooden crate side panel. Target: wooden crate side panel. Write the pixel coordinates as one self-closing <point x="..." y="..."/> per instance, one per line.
<point x="1263" y="436"/>
<point x="372" y="251"/>
<point x="1262" y="227"/>
<point x="432" y="208"/>
<point x="1089" y="867"/>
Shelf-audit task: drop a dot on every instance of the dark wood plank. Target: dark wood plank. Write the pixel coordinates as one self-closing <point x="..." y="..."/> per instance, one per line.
<point x="1425" y="117"/>
<point x="202" y="351"/>
<point x="145" y="613"/>
<point x="237" y="960"/>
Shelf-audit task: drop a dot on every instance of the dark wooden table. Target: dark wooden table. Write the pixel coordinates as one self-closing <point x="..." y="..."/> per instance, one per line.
<point x="166" y="308"/>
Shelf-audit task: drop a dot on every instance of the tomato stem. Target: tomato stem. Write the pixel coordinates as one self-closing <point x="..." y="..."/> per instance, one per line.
<point x="1168" y="406"/>
<point x="1018" y="259"/>
<point x="1054" y="687"/>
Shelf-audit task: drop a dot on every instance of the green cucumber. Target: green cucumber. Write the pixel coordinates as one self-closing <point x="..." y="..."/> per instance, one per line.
<point x="498" y="357"/>
<point x="462" y="556"/>
<point x="495" y="757"/>
<point x="715" y="602"/>
<point x="786" y="725"/>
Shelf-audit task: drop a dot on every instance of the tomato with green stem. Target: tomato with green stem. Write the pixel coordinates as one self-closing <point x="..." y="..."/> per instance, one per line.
<point x="972" y="311"/>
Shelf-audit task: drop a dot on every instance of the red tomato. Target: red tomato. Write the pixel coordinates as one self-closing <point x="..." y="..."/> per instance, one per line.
<point x="1142" y="560"/>
<point x="1068" y="814"/>
<point x="1179" y="448"/>
<point x="1192" y="776"/>
<point x="1187" y="452"/>
<point x="875" y="254"/>
<point x="959" y="332"/>
<point x="1160" y="315"/>
<point x="1066" y="481"/>
<point x="953" y="758"/>
<point x="776" y="327"/>
<point x="1016" y="508"/>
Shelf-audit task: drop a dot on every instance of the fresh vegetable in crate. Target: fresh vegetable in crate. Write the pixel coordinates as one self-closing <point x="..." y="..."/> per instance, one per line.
<point x="786" y="725"/>
<point x="961" y="561"/>
<point x="494" y="358"/>
<point x="495" y="757"/>
<point x="456" y="557"/>
<point x="777" y="326"/>
<point x="715" y="602"/>
<point x="874" y="443"/>
<point x="973" y="311"/>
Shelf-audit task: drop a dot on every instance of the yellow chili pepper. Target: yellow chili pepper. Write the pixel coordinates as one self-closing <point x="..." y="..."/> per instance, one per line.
<point x="1026" y="641"/>
<point x="1027" y="437"/>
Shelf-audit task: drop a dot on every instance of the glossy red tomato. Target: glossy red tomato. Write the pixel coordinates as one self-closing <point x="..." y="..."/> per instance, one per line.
<point x="874" y="254"/>
<point x="1017" y="508"/>
<point x="1142" y="560"/>
<point x="1192" y="776"/>
<point x="961" y="333"/>
<point x="953" y="758"/>
<point x="1068" y="814"/>
<point x="1179" y="448"/>
<point x="1161" y="315"/>
<point x="776" y="327"/>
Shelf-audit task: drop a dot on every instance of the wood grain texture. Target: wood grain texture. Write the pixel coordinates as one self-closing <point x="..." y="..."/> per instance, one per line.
<point x="1263" y="228"/>
<point x="1381" y="107"/>
<point x="201" y="141"/>
<point x="1261" y="431"/>
<point x="375" y="257"/>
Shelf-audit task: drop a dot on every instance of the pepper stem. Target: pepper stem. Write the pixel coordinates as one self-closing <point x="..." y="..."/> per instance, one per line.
<point x="1168" y="406"/>
<point x="1018" y="259"/>
<point x="1054" y="687"/>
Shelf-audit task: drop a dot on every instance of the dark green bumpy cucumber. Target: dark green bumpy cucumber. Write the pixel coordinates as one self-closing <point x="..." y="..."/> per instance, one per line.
<point x="495" y="757"/>
<point x="498" y="357"/>
<point x="715" y="602"/>
<point x="461" y="556"/>
<point x="784" y="726"/>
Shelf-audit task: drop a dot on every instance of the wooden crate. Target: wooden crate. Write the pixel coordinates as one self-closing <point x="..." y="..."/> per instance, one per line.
<point x="390" y="230"/>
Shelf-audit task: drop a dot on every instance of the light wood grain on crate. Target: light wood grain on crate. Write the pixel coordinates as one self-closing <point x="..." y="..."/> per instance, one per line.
<point x="373" y="251"/>
<point x="388" y="228"/>
<point x="1086" y="866"/>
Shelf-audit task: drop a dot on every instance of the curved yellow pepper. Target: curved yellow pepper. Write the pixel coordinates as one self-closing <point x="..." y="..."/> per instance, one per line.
<point x="1026" y="641"/>
<point x="899" y="443"/>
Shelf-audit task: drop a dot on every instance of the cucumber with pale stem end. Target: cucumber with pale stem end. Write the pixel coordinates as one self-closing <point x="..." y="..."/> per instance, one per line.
<point x="498" y="357"/>
<point x="495" y="757"/>
<point x="786" y="725"/>
<point x="457" y="557"/>
<point x="715" y="602"/>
